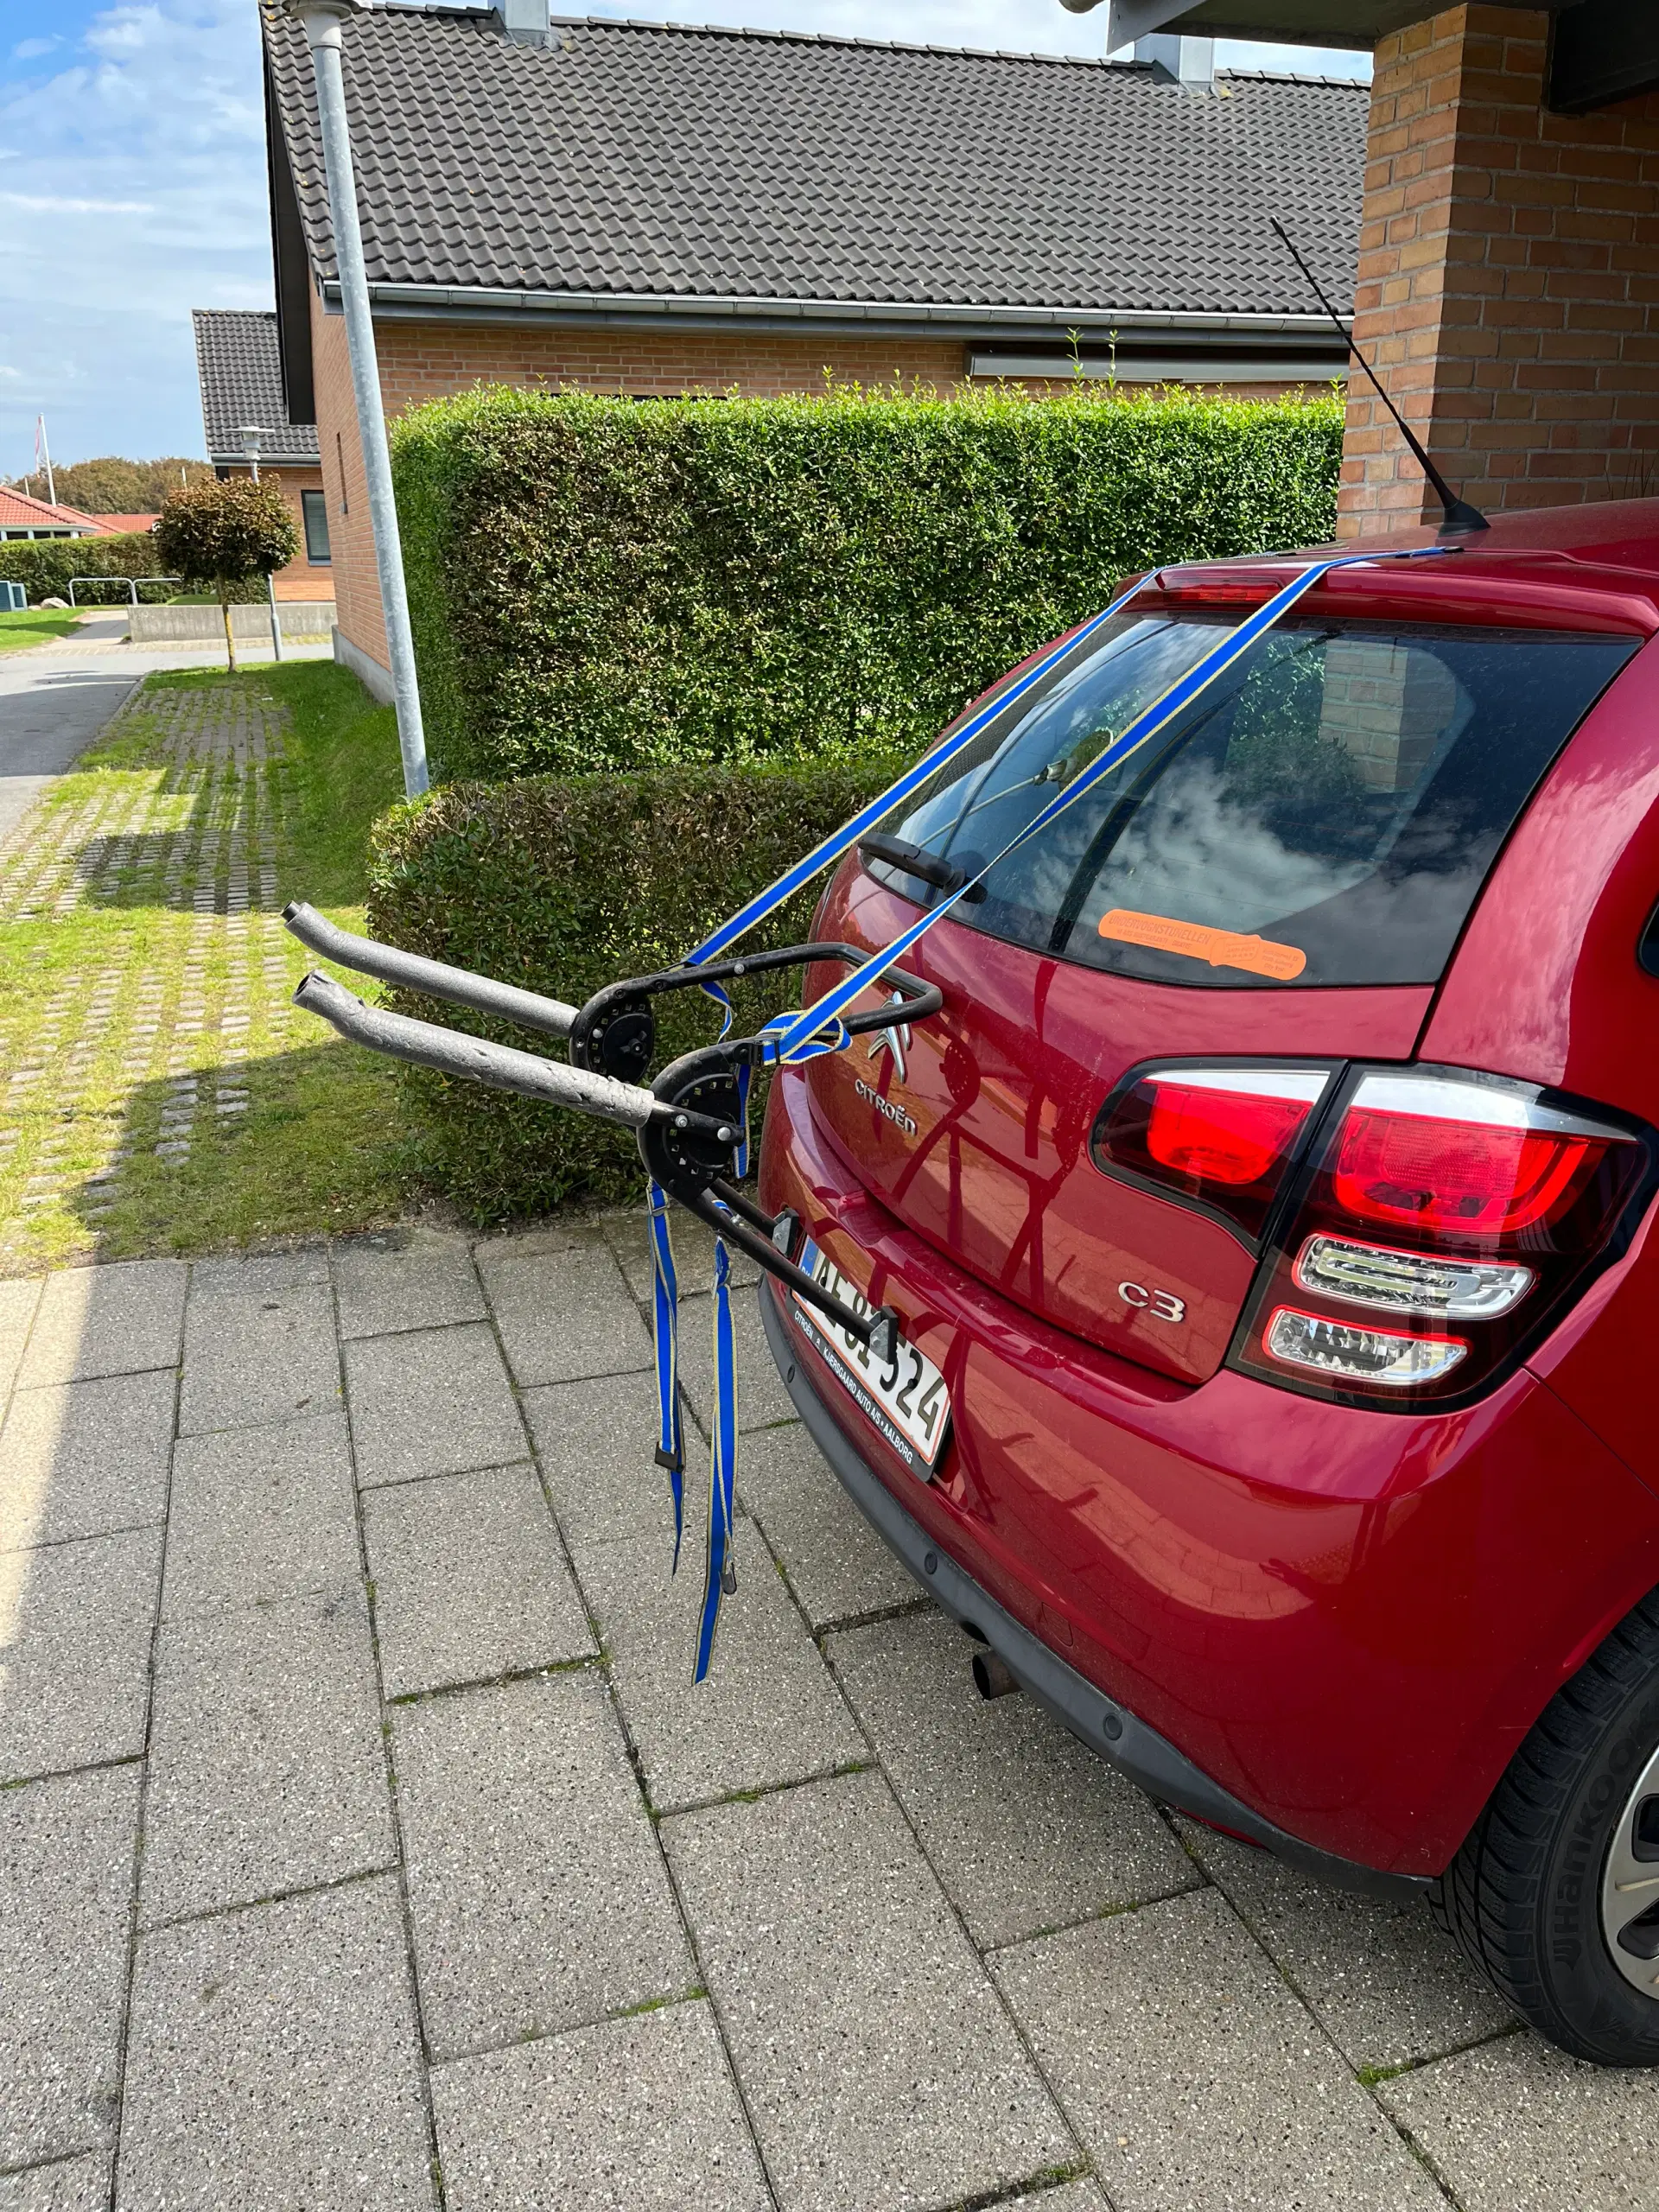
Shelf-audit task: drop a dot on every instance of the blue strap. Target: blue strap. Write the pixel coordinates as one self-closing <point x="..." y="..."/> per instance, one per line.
<point x="671" y="1445"/>
<point x="720" y="1578"/>
<point x="792" y="1039"/>
<point x="842" y="840"/>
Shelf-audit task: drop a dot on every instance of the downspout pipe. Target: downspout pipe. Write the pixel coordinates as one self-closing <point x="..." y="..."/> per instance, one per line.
<point x="324" y="22"/>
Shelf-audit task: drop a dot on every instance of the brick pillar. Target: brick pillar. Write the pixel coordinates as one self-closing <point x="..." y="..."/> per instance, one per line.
<point x="1508" y="280"/>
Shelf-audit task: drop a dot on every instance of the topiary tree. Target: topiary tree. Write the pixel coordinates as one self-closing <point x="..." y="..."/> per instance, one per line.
<point x="222" y="534"/>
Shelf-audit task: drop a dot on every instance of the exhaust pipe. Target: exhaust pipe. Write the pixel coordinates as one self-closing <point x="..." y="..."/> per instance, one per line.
<point x="991" y="1678"/>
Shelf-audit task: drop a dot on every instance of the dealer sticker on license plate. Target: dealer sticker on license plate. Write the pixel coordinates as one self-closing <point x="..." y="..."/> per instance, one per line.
<point x="905" y="1396"/>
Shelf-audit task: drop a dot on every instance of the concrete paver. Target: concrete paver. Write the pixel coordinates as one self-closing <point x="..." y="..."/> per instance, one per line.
<point x="563" y="1314"/>
<point x="879" y="2069"/>
<point x="595" y="1440"/>
<point x="1515" y="2126"/>
<point x="960" y="1976"/>
<point x="761" y="1398"/>
<point x="1389" y="1988"/>
<point x="274" y="2064"/>
<point x="405" y="1279"/>
<point x="430" y="1402"/>
<point x="267" y="1771"/>
<point x="253" y="1356"/>
<point x="538" y="1894"/>
<point x="259" y="1514"/>
<point x="259" y="1275"/>
<point x="1027" y="1828"/>
<point x="634" y="2116"/>
<point x="75" y="1622"/>
<point x="67" y="1852"/>
<point x="1193" y="2075"/>
<point x="107" y="1321"/>
<point x="71" y="2185"/>
<point x="84" y="1458"/>
<point x="769" y="1711"/>
<point x="469" y="1581"/>
<point x="1070" y="2197"/>
<point x="19" y="1299"/>
<point x="628" y="1234"/>
<point x="837" y="1566"/>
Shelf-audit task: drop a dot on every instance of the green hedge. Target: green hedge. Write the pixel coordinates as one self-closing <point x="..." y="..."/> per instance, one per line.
<point x="562" y="885"/>
<point x="602" y="584"/>
<point x="44" y="565"/>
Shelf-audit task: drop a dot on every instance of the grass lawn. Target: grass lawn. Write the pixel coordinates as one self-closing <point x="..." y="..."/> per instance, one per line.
<point x="162" y="1094"/>
<point x="33" y="627"/>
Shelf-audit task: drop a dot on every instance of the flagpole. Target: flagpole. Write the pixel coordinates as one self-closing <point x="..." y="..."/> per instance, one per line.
<point x="41" y="448"/>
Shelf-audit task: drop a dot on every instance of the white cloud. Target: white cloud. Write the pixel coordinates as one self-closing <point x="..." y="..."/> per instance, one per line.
<point x="42" y="204"/>
<point x="135" y="190"/>
<point x="31" y="49"/>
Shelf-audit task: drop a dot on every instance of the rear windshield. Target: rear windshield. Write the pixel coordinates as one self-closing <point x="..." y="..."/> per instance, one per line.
<point x="1324" y="813"/>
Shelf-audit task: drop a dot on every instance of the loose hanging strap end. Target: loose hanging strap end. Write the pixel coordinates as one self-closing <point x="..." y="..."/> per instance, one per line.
<point x="721" y="1576"/>
<point x="670" y="1447"/>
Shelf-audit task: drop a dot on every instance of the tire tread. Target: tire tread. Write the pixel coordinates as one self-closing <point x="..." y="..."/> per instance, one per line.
<point x="1488" y="1899"/>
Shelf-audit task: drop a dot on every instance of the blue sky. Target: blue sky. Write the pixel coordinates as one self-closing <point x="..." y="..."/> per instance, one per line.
<point x="132" y="187"/>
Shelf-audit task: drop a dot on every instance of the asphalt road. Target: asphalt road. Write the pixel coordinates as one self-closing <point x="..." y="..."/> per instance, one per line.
<point x="55" y="699"/>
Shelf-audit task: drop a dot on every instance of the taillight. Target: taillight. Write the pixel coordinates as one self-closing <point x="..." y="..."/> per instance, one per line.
<point x="1220" y="1138"/>
<point x="1495" y="1204"/>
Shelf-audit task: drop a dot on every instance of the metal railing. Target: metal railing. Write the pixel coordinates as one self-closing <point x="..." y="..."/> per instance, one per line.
<point x="131" y="583"/>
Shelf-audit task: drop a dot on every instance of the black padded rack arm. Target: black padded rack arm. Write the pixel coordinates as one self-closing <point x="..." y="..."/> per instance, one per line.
<point x="457" y="985"/>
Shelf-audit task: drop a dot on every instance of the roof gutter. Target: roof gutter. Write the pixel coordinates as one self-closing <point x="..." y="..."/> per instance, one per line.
<point x="638" y="310"/>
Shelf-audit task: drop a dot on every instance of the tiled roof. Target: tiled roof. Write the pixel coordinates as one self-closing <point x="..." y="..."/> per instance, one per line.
<point x="127" y="525"/>
<point x="19" y="510"/>
<point x="242" y="382"/>
<point x="652" y="159"/>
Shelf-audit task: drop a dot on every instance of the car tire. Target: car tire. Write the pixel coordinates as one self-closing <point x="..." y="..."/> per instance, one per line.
<point x="1535" y="1897"/>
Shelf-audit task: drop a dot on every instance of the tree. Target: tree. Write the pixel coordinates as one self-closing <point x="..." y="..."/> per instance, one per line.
<point x="225" y="534"/>
<point x="112" y="485"/>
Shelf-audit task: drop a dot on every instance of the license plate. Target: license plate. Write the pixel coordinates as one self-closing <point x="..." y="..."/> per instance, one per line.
<point x="904" y="1397"/>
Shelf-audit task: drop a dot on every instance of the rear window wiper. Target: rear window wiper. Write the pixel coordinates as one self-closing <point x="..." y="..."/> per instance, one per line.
<point x="917" y="860"/>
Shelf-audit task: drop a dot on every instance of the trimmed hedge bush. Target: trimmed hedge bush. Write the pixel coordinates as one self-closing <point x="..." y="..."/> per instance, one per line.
<point x="562" y="884"/>
<point x="44" y="565"/>
<point x="602" y="584"/>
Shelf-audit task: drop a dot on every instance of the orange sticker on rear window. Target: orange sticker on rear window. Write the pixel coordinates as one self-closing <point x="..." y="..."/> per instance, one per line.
<point x="1256" y="956"/>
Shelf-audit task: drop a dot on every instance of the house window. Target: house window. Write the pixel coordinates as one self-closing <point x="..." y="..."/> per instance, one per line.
<point x="315" y="509"/>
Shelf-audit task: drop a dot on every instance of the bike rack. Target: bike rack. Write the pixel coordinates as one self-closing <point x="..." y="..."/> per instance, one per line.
<point x="690" y="1122"/>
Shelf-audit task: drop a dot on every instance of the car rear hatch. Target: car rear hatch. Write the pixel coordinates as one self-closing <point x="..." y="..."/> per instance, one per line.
<point x="1271" y="887"/>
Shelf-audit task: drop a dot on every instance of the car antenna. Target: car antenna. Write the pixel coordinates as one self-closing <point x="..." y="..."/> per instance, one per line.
<point x="1461" y="515"/>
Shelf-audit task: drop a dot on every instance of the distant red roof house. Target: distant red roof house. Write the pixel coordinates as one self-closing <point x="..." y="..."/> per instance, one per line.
<point x="124" y="526"/>
<point x="24" y="517"/>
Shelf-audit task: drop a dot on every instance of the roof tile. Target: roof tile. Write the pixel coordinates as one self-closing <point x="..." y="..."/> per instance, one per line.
<point x="681" y="160"/>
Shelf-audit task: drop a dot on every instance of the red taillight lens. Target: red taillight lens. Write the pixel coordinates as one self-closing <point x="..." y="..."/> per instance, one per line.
<point x="1218" y="1137"/>
<point x="1498" y="1204"/>
<point x="1457" y="1177"/>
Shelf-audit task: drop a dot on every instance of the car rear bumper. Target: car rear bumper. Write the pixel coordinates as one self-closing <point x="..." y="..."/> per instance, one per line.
<point x="1106" y="1726"/>
<point x="1341" y="1622"/>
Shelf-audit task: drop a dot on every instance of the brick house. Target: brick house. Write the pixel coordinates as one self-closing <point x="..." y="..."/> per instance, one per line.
<point x="1509" y="258"/>
<point x="239" y="363"/>
<point x="660" y="208"/>
<point x="23" y="515"/>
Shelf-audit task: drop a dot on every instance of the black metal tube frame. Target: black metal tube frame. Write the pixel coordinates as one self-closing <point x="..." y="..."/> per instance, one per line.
<point x="689" y="1123"/>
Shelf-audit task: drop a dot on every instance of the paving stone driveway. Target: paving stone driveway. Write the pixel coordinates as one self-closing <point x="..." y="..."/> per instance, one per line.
<point x="363" y="1844"/>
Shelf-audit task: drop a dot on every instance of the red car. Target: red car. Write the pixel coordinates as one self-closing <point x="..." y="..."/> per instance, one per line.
<point x="1269" y="1217"/>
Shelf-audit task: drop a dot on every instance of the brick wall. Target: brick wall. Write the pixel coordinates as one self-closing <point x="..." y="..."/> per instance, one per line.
<point x="302" y="578"/>
<point x="1509" y="279"/>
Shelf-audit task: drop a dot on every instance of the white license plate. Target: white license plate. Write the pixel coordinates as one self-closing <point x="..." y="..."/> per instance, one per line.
<point x="904" y="1397"/>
